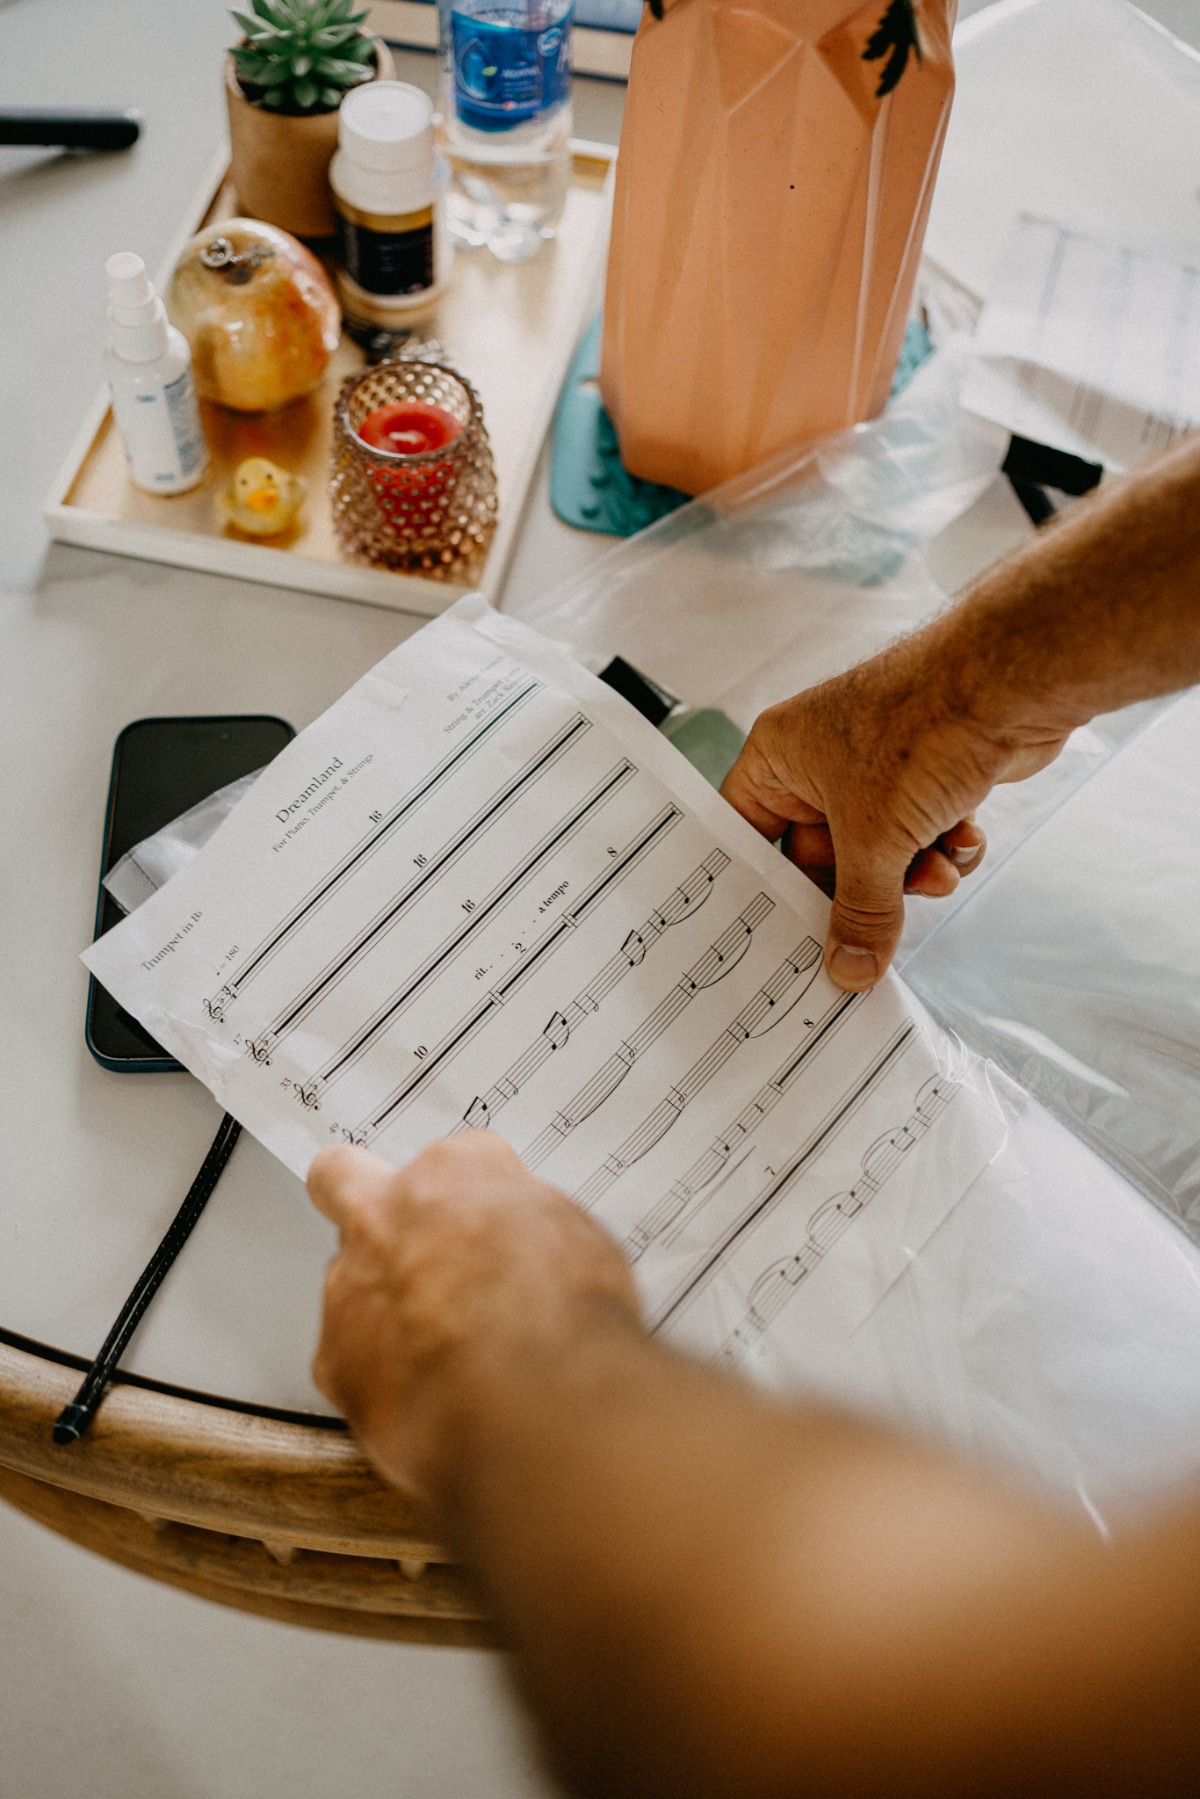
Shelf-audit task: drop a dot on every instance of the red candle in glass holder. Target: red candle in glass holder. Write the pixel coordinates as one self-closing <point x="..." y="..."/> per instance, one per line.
<point x="409" y="428"/>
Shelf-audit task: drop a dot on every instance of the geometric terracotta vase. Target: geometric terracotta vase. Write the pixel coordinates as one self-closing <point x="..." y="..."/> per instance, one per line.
<point x="775" y="173"/>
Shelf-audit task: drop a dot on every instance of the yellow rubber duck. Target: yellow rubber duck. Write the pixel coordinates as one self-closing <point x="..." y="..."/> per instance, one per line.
<point x="262" y="500"/>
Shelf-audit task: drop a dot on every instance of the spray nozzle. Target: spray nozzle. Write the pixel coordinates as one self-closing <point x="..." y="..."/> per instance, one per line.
<point x="137" y="318"/>
<point x="130" y="290"/>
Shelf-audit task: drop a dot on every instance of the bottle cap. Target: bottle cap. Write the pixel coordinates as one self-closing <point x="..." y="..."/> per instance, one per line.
<point x="137" y="317"/>
<point x="387" y="126"/>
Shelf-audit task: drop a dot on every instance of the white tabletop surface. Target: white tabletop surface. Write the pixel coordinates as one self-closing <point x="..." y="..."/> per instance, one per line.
<point x="95" y="1163"/>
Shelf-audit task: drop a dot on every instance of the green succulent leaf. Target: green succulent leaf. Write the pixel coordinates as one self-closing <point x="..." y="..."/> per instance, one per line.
<point x="347" y="74"/>
<point x="256" y="69"/>
<point x="304" y="54"/>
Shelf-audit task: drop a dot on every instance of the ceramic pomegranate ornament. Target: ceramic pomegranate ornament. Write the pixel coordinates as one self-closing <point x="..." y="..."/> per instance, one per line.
<point x="259" y="313"/>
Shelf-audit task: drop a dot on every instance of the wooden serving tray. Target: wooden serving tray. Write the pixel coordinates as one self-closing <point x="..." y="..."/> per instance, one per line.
<point x="509" y="328"/>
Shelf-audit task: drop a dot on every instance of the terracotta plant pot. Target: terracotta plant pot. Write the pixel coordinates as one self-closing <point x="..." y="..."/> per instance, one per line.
<point x="280" y="161"/>
<point x="776" y="168"/>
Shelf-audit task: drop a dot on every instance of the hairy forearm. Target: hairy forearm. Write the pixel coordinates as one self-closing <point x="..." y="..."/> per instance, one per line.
<point x="709" y="1594"/>
<point x="1096" y="612"/>
<point x="712" y="1595"/>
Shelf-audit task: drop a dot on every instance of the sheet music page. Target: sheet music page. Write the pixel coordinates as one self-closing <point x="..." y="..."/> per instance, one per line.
<point x="1088" y="346"/>
<point x="481" y="892"/>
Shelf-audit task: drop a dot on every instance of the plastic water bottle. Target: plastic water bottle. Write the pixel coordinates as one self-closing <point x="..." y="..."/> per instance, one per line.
<point x="506" y="120"/>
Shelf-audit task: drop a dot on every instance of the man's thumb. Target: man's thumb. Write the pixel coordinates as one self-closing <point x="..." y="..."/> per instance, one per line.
<point x="865" y="923"/>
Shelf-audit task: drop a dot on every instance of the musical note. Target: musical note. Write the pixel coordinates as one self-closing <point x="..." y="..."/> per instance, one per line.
<point x="776" y="1285"/>
<point x="666" y="1218"/>
<point x="718" y="960"/>
<point x="685" y="899"/>
<point x="532" y="961"/>
<point x="738" y="1031"/>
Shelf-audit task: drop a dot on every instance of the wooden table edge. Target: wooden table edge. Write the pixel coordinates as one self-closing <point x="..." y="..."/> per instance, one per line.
<point x="211" y="1466"/>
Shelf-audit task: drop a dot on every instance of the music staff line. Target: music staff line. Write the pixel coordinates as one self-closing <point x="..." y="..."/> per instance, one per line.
<point x="777" y="1284"/>
<point x="533" y="961"/>
<point x="370" y="935"/>
<point x="683" y="902"/>
<point x="719" y="959"/>
<point x="763" y="1202"/>
<point x="477" y="914"/>
<point x="366" y="1035"/>
<point x="755" y="1019"/>
<point x="674" y="1211"/>
<point x="405" y="807"/>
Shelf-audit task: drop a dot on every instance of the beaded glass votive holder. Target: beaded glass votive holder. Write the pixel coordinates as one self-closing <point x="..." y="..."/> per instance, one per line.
<point x="396" y="502"/>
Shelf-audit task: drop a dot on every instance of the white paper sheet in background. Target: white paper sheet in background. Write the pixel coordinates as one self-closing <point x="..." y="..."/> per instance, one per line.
<point x="481" y="890"/>
<point x="1079" y="110"/>
<point x="1088" y="346"/>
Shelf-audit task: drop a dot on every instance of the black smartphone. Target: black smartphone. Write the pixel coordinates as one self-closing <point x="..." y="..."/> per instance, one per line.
<point x="160" y="768"/>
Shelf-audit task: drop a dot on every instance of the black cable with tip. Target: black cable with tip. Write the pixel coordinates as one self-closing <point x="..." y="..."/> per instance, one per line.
<point x="75" y="1418"/>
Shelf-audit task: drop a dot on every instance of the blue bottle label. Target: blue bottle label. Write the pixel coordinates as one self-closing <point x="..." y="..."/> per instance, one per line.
<point x="507" y="70"/>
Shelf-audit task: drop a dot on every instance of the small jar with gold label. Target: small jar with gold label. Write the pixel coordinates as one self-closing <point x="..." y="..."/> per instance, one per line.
<point x="388" y="186"/>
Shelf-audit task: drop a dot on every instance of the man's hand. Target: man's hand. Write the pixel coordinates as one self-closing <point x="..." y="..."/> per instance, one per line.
<point x="459" y="1260"/>
<point x="873" y="779"/>
<point x="878" y="772"/>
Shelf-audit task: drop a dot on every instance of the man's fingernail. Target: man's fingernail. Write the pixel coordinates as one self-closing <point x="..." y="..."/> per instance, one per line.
<point x="961" y="855"/>
<point x="854" y="969"/>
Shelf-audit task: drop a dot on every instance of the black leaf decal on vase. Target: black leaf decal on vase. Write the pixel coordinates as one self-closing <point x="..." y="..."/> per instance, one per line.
<point x="893" y="37"/>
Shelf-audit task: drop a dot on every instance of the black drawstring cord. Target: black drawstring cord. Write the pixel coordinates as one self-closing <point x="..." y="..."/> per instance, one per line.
<point x="74" y="1419"/>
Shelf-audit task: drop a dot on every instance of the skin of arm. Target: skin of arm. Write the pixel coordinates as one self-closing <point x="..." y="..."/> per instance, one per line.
<point x="878" y="771"/>
<point x="708" y="1594"/>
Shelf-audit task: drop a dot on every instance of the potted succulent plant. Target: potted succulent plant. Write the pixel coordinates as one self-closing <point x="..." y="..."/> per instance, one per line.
<point x="284" y="83"/>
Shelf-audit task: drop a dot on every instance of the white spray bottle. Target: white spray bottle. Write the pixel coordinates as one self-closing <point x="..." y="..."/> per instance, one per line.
<point x="149" y="369"/>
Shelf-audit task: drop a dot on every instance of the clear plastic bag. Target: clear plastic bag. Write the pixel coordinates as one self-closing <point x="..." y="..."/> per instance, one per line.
<point x="1076" y="963"/>
<point x="788" y="574"/>
<point x="151" y="863"/>
<point x="1050" y="1321"/>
